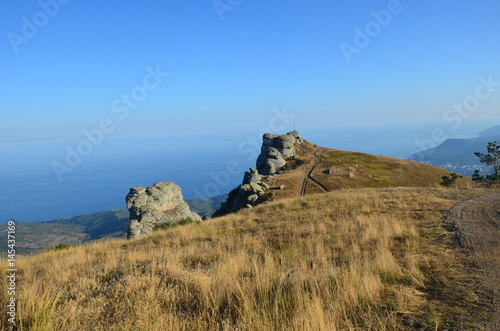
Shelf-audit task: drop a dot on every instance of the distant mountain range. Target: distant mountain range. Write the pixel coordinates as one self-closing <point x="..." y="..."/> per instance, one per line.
<point x="457" y="155"/>
<point x="33" y="237"/>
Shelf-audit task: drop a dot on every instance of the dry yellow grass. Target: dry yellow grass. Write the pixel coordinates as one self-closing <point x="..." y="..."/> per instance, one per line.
<point x="350" y="260"/>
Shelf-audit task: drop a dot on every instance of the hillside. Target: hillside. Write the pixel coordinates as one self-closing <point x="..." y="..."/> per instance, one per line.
<point x="33" y="237"/>
<point x="493" y="131"/>
<point x="321" y="170"/>
<point x="458" y="154"/>
<point x="364" y="259"/>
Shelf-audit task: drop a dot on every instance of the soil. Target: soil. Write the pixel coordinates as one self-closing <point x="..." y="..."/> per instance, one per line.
<point x="477" y="222"/>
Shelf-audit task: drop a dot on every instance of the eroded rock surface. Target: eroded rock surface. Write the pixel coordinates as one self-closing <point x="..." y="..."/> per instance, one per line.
<point x="275" y="151"/>
<point x="160" y="204"/>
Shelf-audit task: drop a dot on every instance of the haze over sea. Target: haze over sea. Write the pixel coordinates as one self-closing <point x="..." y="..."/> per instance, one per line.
<point x="203" y="164"/>
<point x="177" y="88"/>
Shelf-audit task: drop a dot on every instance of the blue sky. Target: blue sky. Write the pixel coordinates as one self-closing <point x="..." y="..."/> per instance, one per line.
<point x="229" y="74"/>
<point x="133" y="85"/>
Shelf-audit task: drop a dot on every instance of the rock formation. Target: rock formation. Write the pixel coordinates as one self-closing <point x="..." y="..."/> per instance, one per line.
<point x="275" y="151"/>
<point x="160" y="204"/>
<point x="245" y="195"/>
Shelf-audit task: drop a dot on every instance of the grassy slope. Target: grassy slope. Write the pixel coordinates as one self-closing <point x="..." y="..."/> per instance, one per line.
<point x="380" y="171"/>
<point x="34" y="237"/>
<point x="370" y="171"/>
<point x="457" y="151"/>
<point x="368" y="259"/>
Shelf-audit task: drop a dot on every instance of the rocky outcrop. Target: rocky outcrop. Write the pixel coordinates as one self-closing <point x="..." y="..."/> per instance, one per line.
<point x="270" y="161"/>
<point x="160" y="204"/>
<point x="275" y="151"/>
<point x="246" y="195"/>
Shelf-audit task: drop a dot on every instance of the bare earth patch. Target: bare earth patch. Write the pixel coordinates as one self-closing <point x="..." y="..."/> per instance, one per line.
<point x="478" y="223"/>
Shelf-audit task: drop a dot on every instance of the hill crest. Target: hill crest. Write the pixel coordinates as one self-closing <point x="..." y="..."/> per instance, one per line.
<point x="313" y="169"/>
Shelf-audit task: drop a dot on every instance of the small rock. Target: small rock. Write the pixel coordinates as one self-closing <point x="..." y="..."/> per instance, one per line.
<point x="253" y="198"/>
<point x="246" y="187"/>
<point x="257" y="189"/>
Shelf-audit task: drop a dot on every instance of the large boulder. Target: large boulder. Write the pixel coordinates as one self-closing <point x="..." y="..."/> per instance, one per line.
<point x="296" y="135"/>
<point x="275" y="150"/>
<point x="270" y="161"/>
<point x="160" y="204"/>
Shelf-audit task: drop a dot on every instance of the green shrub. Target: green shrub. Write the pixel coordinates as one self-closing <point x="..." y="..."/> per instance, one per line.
<point x="183" y="221"/>
<point x="60" y="247"/>
<point x="449" y="181"/>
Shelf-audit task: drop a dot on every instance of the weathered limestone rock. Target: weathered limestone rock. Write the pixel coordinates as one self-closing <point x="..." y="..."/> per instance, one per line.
<point x="252" y="176"/>
<point x="247" y="194"/>
<point x="157" y="205"/>
<point x="296" y="135"/>
<point x="275" y="150"/>
<point x="257" y="188"/>
<point x="270" y="161"/>
<point x="253" y="198"/>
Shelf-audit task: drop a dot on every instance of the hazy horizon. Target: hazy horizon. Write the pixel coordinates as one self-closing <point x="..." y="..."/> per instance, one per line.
<point x="196" y="162"/>
<point x="90" y="85"/>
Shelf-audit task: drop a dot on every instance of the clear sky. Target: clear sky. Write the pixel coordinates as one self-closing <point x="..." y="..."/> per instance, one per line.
<point x="65" y="64"/>
<point x="150" y="79"/>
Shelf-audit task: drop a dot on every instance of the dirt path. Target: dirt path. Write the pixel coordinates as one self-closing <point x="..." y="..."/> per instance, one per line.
<point x="478" y="224"/>
<point x="325" y="179"/>
<point x="309" y="171"/>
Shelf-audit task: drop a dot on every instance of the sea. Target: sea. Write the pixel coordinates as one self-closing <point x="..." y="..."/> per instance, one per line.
<point x="48" y="180"/>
